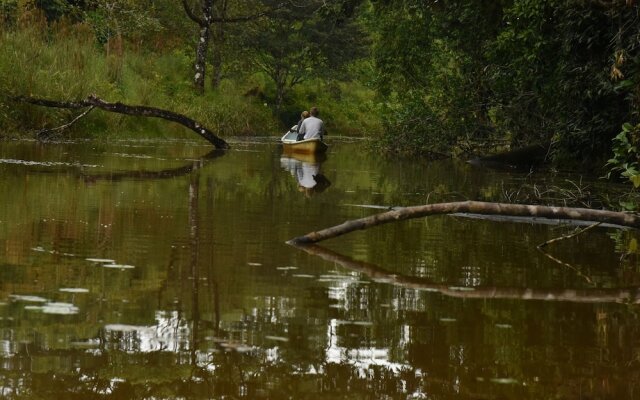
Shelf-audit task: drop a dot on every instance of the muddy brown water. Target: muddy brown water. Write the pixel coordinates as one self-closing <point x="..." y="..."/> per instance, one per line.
<point x="159" y="270"/>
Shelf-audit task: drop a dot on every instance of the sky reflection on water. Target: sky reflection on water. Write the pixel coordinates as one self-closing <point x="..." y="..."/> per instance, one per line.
<point x="162" y="272"/>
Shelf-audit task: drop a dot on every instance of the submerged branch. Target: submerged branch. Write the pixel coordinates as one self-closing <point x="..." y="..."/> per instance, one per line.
<point x="473" y="207"/>
<point x="141" y="111"/>
<point x="375" y="273"/>
<point x="569" y="236"/>
<point x="44" y="133"/>
<point x="566" y="264"/>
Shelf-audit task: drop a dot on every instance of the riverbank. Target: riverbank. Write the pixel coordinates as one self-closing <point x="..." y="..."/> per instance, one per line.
<point x="63" y="62"/>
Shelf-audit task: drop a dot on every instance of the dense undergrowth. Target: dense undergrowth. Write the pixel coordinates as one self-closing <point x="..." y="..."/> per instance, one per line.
<point x="563" y="74"/>
<point x="430" y="79"/>
<point x="63" y="61"/>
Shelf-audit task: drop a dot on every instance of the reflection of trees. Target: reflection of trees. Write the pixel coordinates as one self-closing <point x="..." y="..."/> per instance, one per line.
<point x="212" y="340"/>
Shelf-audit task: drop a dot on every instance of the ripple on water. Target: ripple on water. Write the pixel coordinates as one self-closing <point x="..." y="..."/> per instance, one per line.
<point x="74" y="290"/>
<point x="60" y="308"/>
<point x="28" y="298"/>
<point x="46" y="163"/>
<point x="117" y="266"/>
<point x="100" y="260"/>
<point x="55" y="308"/>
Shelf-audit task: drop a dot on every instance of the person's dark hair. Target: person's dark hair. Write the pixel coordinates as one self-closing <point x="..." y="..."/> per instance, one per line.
<point x="314" y="111"/>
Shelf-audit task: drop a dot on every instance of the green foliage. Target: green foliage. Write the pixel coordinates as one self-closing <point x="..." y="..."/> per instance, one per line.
<point x="347" y="108"/>
<point x="67" y="66"/>
<point x="531" y="72"/>
<point x="431" y="72"/>
<point x="553" y="82"/>
<point x="300" y="43"/>
<point x="626" y="155"/>
<point x="8" y="10"/>
<point x="131" y="19"/>
<point x="55" y="9"/>
<point x="61" y="61"/>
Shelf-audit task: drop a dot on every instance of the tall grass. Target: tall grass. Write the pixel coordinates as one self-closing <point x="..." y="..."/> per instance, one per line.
<point x="63" y="61"/>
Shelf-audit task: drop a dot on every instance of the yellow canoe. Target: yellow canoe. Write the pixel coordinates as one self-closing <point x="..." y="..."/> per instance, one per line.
<point x="307" y="146"/>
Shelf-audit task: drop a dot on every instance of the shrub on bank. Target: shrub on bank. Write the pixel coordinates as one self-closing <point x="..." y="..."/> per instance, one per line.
<point x="63" y="61"/>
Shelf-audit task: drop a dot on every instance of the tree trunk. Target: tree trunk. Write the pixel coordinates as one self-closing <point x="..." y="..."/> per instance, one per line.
<point x="204" y="22"/>
<point x="219" y="37"/>
<point x="201" y="57"/>
<point x="474" y="207"/>
<point x="143" y="111"/>
<point x="280" y="88"/>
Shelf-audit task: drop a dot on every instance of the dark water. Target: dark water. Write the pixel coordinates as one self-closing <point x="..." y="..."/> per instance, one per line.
<point x="159" y="270"/>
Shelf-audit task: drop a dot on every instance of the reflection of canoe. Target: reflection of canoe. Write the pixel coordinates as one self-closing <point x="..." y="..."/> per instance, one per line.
<point x="291" y="152"/>
<point x="307" y="146"/>
<point x="306" y="169"/>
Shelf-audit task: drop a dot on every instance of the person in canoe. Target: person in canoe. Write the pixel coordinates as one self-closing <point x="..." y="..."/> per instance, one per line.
<point x="303" y="116"/>
<point x="312" y="127"/>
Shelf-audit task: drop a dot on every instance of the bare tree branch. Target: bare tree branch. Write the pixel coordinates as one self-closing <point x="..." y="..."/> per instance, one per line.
<point x="576" y="233"/>
<point x="474" y="207"/>
<point x="143" y="111"/>
<point x="44" y="133"/>
<point x="191" y="14"/>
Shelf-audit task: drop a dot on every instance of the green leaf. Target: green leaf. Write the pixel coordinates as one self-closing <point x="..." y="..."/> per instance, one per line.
<point x="625" y="84"/>
<point x="629" y="205"/>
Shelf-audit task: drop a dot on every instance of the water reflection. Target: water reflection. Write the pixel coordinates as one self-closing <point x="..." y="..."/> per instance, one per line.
<point x="305" y="168"/>
<point x="161" y="174"/>
<point x="178" y="284"/>
<point x="473" y="287"/>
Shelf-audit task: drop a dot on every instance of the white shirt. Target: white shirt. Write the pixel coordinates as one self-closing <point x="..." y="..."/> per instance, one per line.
<point x="312" y="127"/>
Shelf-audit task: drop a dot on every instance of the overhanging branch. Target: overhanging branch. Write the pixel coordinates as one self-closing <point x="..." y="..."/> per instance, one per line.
<point x="141" y="111"/>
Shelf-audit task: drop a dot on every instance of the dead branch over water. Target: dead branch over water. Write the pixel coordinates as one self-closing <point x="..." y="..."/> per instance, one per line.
<point x="120" y="108"/>
<point x="626" y="295"/>
<point x="473" y="207"/>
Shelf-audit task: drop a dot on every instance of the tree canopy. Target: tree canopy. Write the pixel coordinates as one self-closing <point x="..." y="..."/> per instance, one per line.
<point x="450" y="78"/>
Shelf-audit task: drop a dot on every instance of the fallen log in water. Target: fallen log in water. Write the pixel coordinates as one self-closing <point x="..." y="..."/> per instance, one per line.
<point x="473" y="207"/>
<point x="120" y="108"/>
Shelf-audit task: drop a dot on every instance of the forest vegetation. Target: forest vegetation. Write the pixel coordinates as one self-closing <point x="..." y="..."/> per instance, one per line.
<point x="430" y="78"/>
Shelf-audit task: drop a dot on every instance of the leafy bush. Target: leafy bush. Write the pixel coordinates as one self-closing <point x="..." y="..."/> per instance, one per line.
<point x="626" y="154"/>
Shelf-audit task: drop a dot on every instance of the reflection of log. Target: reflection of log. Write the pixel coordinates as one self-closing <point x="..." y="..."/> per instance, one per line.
<point x="142" y="111"/>
<point x="474" y="207"/>
<point x="150" y="175"/>
<point x="627" y="295"/>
